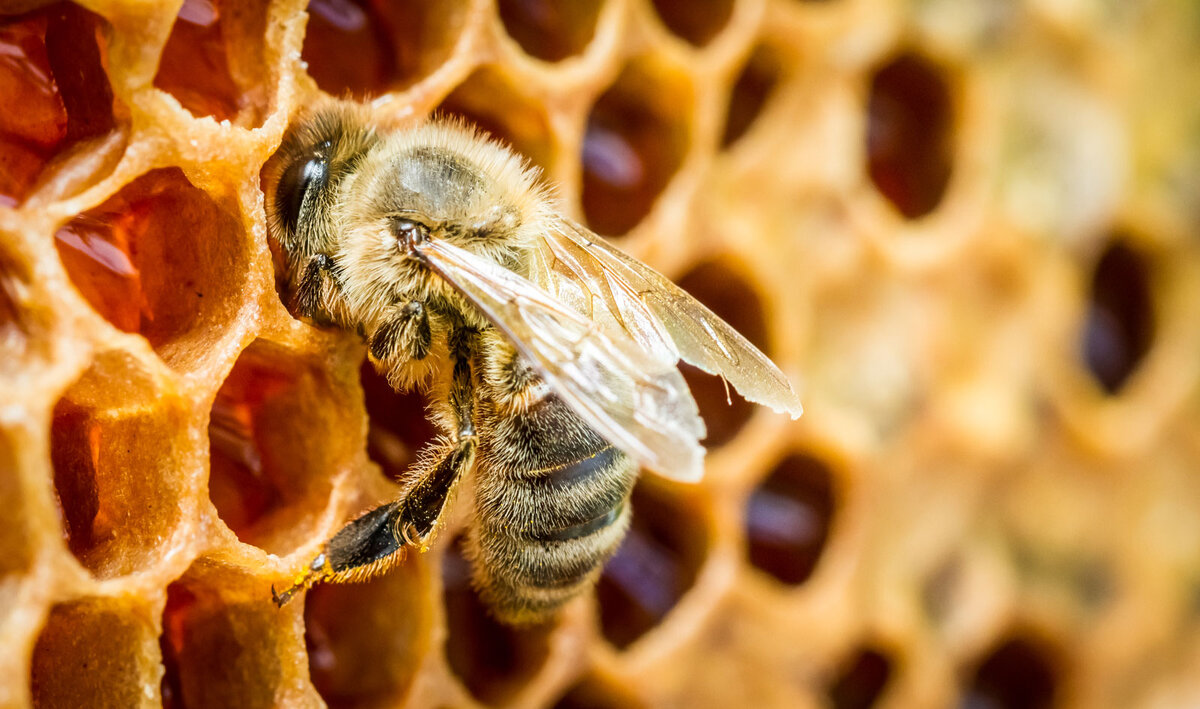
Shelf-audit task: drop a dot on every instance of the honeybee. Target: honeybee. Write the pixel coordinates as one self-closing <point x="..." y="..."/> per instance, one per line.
<point x="550" y="358"/>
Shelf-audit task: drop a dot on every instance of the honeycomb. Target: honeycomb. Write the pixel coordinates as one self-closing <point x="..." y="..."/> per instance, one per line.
<point x="969" y="230"/>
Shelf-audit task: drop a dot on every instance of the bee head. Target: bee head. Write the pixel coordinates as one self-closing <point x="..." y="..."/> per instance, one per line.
<point x="302" y="178"/>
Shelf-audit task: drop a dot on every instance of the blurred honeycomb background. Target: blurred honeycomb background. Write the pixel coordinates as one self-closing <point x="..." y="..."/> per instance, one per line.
<point x="969" y="230"/>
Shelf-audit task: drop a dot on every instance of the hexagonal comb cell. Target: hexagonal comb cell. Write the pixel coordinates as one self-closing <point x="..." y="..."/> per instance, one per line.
<point x="271" y="467"/>
<point x="366" y="641"/>
<point x="93" y="653"/>
<point x="368" y="47"/>
<point x="120" y="467"/>
<point x="399" y="427"/>
<point x="1017" y="674"/>
<point x="788" y="518"/>
<point x="551" y="30"/>
<point x="696" y="22"/>
<point x="910" y="127"/>
<point x="595" y="692"/>
<point x="52" y="65"/>
<point x="225" y="644"/>
<point x="212" y="62"/>
<point x="727" y="294"/>
<point x="637" y="135"/>
<point x="751" y="91"/>
<point x="493" y="660"/>
<point x="862" y="681"/>
<point x="655" y="566"/>
<point x="162" y="259"/>
<point x="1120" y="322"/>
<point x="493" y="103"/>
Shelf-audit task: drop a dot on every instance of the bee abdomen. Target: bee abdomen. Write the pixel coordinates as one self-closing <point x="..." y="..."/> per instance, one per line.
<point x="543" y="532"/>
<point x="524" y="582"/>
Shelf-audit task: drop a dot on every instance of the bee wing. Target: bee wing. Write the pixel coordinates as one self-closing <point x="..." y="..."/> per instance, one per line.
<point x="656" y="312"/>
<point x="633" y="396"/>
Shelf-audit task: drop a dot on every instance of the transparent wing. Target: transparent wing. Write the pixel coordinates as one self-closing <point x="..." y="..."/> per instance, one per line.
<point x="630" y="394"/>
<point x="581" y="270"/>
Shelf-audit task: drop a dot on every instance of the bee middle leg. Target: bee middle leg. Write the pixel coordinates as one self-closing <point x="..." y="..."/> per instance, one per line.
<point x="373" y="542"/>
<point x="404" y="332"/>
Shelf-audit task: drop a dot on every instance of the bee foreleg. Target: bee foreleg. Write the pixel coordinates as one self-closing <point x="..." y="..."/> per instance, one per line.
<point x="314" y="286"/>
<point x="405" y="331"/>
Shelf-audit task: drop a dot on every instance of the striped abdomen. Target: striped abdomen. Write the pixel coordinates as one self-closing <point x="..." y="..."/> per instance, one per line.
<point x="552" y="504"/>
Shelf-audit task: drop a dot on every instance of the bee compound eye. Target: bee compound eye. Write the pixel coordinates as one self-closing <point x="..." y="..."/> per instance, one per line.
<point x="300" y="177"/>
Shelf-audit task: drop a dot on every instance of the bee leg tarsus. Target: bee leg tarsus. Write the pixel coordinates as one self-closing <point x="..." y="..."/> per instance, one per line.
<point x="317" y="570"/>
<point x="280" y="599"/>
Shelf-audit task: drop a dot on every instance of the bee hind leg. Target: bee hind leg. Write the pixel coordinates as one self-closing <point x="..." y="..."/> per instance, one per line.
<point x="377" y="540"/>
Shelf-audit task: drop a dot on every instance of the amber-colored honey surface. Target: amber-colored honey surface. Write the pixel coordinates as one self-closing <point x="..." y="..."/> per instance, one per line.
<point x="968" y="230"/>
